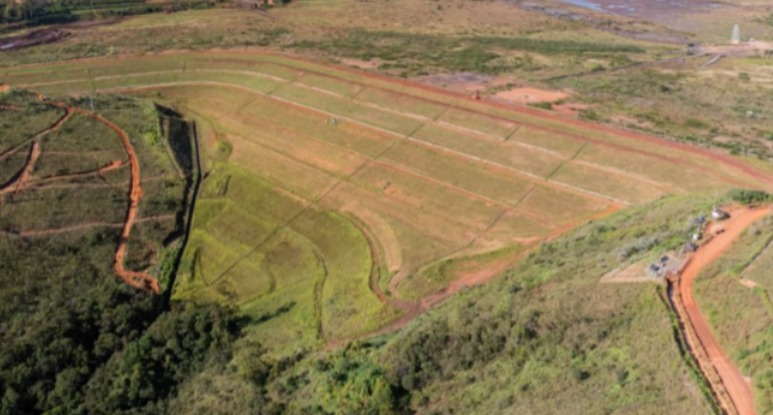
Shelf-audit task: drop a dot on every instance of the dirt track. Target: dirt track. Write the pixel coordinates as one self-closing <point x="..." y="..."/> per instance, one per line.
<point x="138" y="280"/>
<point x="18" y="183"/>
<point x="741" y="397"/>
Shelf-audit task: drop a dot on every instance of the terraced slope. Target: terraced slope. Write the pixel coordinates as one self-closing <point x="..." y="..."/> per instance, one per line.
<point x="337" y="202"/>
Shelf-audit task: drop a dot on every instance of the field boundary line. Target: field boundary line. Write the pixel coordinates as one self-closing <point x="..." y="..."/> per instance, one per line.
<point x="377" y="160"/>
<point x="567" y="160"/>
<point x="724" y="159"/>
<point x="670" y="188"/>
<point x="63" y="119"/>
<point x="498" y="139"/>
<point x="558" y="185"/>
<point x="266" y="56"/>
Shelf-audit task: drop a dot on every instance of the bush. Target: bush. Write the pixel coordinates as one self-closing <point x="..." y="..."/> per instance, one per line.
<point x="750" y="197"/>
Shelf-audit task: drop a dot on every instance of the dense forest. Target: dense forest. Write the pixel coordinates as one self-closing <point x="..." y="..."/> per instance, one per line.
<point x="42" y="12"/>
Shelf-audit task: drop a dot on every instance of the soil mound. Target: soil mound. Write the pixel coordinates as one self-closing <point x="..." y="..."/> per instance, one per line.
<point x="38" y="37"/>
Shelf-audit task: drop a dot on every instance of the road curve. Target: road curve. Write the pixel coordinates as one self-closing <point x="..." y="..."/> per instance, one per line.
<point x="735" y="384"/>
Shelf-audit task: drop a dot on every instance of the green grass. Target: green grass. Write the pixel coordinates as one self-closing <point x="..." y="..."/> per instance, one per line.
<point x="87" y="135"/>
<point x="63" y="164"/>
<point x="565" y="145"/>
<point x="476" y="177"/>
<point x="543" y="336"/>
<point x="253" y="82"/>
<point x="94" y="205"/>
<point x="349" y="308"/>
<point x="529" y="161"/>
<point x="242" y="64"/>
<point x="350" y="109"/>
<point x="13" y="164"/>
<point x="316" y="270"/>
<point x="648" y="166"/>
<point x="437" y="276"/>
<point x="741" y="317"/>
<point x="134" y="80"/>
<point x="308" y="149"/>
<point x="401" y="103"/>
<point x="478" y="122"/>
<point x="19" y="126"/>
<point x="623" y="188"/>
<point x="480" y="54"/>
<point x="329" y="84"/>
<point x="271" y="154"/>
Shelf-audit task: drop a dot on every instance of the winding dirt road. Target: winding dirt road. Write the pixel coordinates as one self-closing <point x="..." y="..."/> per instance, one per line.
<point x="741" y="397"/>
<point x="140" y="280"/>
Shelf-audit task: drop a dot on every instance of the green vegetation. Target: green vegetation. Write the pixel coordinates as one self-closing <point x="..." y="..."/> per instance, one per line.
<point x="75" y="338"/>
<point x="297" y="205"/>
<point x="320" y="184"/>
<point x="751" y="197"/>
<point x="534" y="340"/>
<point x="36" y="13"/>
<point x="479" y="54"/>
<point x="679" y="103"/>
<point x="437" y="276"/>
<point x="741" y="315"/>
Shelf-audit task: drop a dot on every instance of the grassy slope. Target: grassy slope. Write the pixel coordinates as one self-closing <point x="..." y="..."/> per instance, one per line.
<point x="681" y="99"/>
<point x="742" y="317"/>
<point x="60" y="291"/>
<point x="301" y="273"/>
<point x="243" y="221"/>
<point x="545" y="338"/>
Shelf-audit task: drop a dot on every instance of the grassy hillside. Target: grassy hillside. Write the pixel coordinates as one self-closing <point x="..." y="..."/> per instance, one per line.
<point x="343" y="202"/>
<point x="336" y="203"/>
<point x="547" y="337"/>
<point x="735" y="293"/>
<point x="75" y="338"/>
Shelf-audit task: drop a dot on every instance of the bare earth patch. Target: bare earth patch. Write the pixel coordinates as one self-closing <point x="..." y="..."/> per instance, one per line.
<point x="362" y="64"/>
<point x="530" y="95"/>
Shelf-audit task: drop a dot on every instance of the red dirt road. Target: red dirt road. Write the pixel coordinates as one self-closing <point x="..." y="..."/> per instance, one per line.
<point x="140" y="280"/>
<point x="21" y="181"/>
<point x="739" y="390"/>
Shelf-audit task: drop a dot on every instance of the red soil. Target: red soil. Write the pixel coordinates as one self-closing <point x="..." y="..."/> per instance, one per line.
<point x="55" y="126"/>
<point x="719" y="157"/>
<point x="140" y="280"/>
<point x="21" y="180"/>
<point x="732" y="381"/>
<point x="479" y="277"/>
<point x="530" y="95"/>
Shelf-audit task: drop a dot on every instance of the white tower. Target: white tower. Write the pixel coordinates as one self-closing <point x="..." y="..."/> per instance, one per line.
<point x="736" y="36"/>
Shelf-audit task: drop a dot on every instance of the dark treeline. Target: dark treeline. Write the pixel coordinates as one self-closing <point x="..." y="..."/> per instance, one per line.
<point x="43" y="12"/>
<point x="77" y="340"/>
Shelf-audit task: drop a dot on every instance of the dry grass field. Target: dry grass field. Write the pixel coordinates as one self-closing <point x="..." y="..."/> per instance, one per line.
<point x="335" y="201"/>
